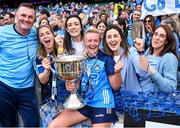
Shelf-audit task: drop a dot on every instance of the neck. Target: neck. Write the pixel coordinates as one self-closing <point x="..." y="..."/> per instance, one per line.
<point x="77" y="39"/>
<point x="157" y="51"/>
<point x="23" y="32"/>
<point x="117" y="52"/>
<point x="49" y="50"/>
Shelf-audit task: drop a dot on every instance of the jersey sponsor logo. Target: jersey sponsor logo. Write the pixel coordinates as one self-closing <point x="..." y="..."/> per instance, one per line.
<point x="10" y="38"/>
<point x="100" y="115"/>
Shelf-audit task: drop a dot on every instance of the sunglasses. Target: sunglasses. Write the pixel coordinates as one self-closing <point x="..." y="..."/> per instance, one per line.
<point x="147" y="21"/>
<point x="94" y="12"/>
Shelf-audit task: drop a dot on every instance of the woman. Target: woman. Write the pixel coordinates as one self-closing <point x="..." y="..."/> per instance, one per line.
<point x="44" y="21"/>
<point x="43" y="66"/>
<point x="150" y="26"/>
<point x="117" y="47"/>
<point x="101" y="26"/>
<point x="158" y="67"/>
<point x="96" y="86"/>
<point x="73" y="43"/>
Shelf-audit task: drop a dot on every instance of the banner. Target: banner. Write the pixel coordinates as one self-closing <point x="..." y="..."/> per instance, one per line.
<point x="118" y="8"/>
<point x="160" y="7"/>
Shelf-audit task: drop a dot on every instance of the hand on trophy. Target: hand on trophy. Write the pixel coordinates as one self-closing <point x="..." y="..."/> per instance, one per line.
<point x="71" y="85"/>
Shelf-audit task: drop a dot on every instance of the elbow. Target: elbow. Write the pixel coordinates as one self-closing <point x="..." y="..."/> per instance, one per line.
<point x="43" y="81"/>
<point x="116" y="86"/>
<point x="169" y="89"/>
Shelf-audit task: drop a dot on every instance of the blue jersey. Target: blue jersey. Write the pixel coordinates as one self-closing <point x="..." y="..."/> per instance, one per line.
<point x="62" y="93"/>
<point x="16" y="57"/>
<point x="99" y="93"/>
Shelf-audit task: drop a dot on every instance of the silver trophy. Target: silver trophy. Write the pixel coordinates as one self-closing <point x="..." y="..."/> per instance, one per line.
<point x="71" y="68"/>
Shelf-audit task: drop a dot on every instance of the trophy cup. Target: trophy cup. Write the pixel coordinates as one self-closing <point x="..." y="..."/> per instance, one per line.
<point x="71" y="68"/>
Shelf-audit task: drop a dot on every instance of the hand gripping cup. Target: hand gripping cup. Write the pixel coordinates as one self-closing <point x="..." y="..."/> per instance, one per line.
<point x="71" y="68"/>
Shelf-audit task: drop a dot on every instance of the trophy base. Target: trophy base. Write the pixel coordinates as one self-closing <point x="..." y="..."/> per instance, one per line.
<point x="73" y="102"/>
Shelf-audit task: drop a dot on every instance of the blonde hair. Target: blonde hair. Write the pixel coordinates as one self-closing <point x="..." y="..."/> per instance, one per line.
<point x="92" y="30"/>
<point x="84" y="18"/>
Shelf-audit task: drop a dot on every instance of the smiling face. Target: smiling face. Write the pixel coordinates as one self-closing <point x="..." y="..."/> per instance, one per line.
<point x="46" y="37"/>
<point x="159" y="39"/>
<point x="24" y="19"/>
<point x="101" y="27"/>
<point x="74" y="27"/>
<point x="113" y="40"/>
<point x="92" y="41"/>
<point x="136" y="15"/>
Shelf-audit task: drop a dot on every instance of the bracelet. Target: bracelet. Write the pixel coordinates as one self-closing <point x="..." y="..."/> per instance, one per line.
<point x="141" y="52"/>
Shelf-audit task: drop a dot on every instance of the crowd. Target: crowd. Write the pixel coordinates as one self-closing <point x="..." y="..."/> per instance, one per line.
<point x="123" y="51"/>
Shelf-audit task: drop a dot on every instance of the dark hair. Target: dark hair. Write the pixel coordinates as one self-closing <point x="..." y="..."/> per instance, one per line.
<point x="67" y="37"/>
<point x="170" y="46"/>
<point x="46" y="12"/>
<point x="106" y="16"/>
<point x="101" y="21"/>
<point x="123" y="22"/>
<point x="123" y="44"/>
<point x="41" y="50"/>
<point x="151" y="17"/>
<point x="43" y="19"/>
<point x="28" y="5"/>
<point x="122" y="12"/>
<point x="10" y="14"/>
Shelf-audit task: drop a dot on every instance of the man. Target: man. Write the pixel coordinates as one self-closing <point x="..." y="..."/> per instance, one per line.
<point x="124" y="15"/>
<point x="136" y="15"/>
<point x="18" y="45"/>
<point x="8" y="18"/>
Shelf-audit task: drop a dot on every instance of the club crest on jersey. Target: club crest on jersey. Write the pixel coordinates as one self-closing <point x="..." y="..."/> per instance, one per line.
<point x="97" y="67"/>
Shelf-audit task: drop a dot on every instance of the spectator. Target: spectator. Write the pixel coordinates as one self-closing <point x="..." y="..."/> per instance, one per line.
<point x="156" y="72"/>
<point x="43" y="14"/>
<point x="150" y="26"/>
<point x="8" y="18"/>
<point x="172" y="24"/>
<point x="44" y="21"/>
<point x="101" y="26"/>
